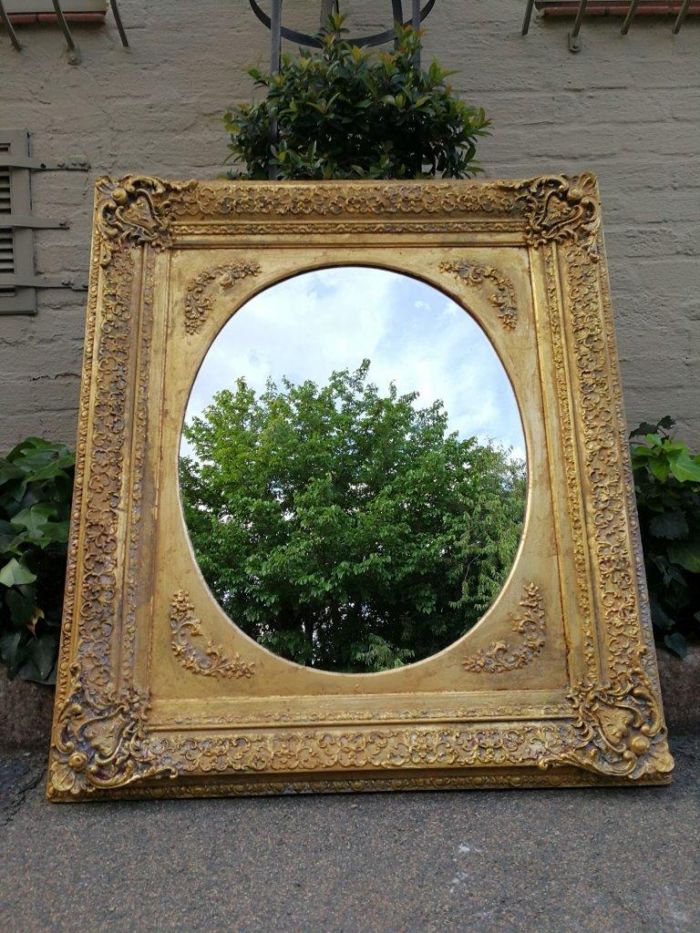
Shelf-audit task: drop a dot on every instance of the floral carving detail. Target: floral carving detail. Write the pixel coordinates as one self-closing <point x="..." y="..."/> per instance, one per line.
<point x="478" y="778"/>
<point x="211" y="661"/>
<point x="569" y="456"/>
<point x="100" y="741"/>
<point x="135" y="209"/>
<point x="327" y="715"/>
<point x="598" y="396"/>
<point x="307" y="227"/>
<point x="299" y="199"/>
<point x="370" y="748"/>
<point x="103" y="518"/>
<point x="554" y="207"/>
<point x="558" y="208"/>
<point x="199" y="299"/>
<point x="139" y="447"/>
<point x="529" y="623"/>
<point x="141" y="209"/>
<point x="620" y="730"/>
<point x="502" y="296"/>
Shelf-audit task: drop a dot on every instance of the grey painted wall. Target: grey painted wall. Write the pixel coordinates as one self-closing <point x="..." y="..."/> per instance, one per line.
<point x="628" y="109"/>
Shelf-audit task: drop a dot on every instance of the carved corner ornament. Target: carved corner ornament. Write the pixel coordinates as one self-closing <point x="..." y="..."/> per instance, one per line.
<point x="199" y="298"/>
<point x="620" y="730"/>
<point x="529" y="623"/>
<point x="99" y="741"/>
<point x="559" y="208"/>
<point x="501" y="294"/>
<point x="210" y="661"/>
<point x="134" y="210"/>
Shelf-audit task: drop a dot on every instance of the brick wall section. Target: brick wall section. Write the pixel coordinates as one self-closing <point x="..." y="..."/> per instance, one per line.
<point x="628" y="109"/>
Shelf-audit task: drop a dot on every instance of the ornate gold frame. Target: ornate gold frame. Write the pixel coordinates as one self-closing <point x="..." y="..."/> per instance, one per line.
<point x="159" y="694"/>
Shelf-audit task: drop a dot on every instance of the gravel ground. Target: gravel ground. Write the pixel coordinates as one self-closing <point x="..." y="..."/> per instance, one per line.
<point x="544" y="860"/>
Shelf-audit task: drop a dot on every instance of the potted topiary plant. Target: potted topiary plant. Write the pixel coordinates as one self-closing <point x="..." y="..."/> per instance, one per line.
<point x="344" y="112"/>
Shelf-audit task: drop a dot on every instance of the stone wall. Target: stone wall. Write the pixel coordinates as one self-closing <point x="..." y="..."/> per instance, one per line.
<point x="625" y="108"/>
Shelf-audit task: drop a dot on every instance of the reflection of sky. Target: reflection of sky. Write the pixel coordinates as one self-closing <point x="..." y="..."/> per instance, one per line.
<point x="310" y="325"/>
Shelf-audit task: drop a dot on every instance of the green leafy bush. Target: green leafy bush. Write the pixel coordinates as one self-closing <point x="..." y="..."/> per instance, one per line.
<point x="346" y="529"/>
<point x="667" y="484"/>
<point x="345" y="113"/>
<point x="36" y="483"/>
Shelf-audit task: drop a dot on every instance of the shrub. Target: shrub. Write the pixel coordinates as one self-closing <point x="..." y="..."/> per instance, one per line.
<point x="344" y="528"/>
<point x="667" y="485"/>
<point x="36" y="483"/>
<point x="345" y="113"/>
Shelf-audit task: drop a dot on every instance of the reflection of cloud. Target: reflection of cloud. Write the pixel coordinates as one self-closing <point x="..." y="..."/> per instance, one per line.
<point x="312" y="324"/>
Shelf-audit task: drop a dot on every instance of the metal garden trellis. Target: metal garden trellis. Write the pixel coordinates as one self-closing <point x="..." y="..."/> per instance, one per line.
<point x="279" y="32"/>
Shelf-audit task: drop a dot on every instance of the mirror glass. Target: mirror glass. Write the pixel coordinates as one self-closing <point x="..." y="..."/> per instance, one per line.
<point x="352" y="470"/>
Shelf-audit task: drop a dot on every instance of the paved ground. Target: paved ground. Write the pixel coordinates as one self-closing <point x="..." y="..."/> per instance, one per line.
<point x="580" y="860"/>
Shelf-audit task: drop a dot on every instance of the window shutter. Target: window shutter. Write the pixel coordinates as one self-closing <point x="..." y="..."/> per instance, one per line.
<point x="16" y="243"/>
<point x="7" y="264"/>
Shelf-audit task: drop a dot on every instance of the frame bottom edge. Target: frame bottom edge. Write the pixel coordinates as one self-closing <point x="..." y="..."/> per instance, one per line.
<point x="359" y="782"/>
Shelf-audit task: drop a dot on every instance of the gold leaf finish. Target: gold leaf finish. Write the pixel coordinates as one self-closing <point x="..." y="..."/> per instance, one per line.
<point x="558" y="209"/>
<point x="211" y="660"/>
<point x="564" y="691"/>
<point x="199" y="299"/>
<point x="134" y="210"/>
<point x="501" y="294"/>
<point x="100" y="741"/>
<point x="386" y="749"/>
<point x="503" y="656"/>
<point x="620" y="730"/>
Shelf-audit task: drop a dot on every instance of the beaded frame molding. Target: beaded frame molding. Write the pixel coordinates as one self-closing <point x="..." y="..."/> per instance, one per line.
<point x="160" y="694"/>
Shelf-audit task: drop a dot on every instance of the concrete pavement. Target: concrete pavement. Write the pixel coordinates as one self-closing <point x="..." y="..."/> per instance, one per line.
<point x="581" y="860"/>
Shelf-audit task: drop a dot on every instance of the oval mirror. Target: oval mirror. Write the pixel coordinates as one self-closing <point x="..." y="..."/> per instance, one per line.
<point x="352" y="470"/>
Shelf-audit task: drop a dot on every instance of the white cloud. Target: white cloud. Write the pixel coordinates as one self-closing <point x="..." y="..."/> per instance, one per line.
<point x="317" y="322"/>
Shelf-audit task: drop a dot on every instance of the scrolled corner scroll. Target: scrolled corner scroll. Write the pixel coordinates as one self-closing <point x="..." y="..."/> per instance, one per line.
<point x="136" y="210"/>
<point x="210" y="661"/>
<point x="501" y="296"/>
<point x="502" y="656"/>
<point x="559" y="208"/>
<point x="199" y="299"/>
<point x="620" y="730"/>
<point x="100" y="741"/>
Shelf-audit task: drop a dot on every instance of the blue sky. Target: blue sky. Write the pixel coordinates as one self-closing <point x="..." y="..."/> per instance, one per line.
<point x="309" y="325"/>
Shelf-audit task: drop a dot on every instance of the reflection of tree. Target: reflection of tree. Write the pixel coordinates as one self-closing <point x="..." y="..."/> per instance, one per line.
<point x="347" y="530"/>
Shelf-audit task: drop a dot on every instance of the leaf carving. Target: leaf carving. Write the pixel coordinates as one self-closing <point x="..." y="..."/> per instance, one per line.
<point x="503" y="656"/>
<point x="100" y="741"/>
<point x="211" y="660"/>
<point x="620" y="730"/>
<point x="134" y="210"/>
<point x="199" y="299"/>
<point x="501" y="294"/>
<point x="559" y="208"/>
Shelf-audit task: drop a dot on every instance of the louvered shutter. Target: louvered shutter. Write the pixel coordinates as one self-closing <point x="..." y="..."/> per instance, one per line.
<point x="16" y="244"/>
<point x="7" y="264"/>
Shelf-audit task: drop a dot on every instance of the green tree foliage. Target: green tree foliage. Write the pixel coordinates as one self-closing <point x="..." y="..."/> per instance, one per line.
<point x="345" y="529"/>
<point x="343" y="112"/>
<point x="36" y="485"/>
<point x="667" y="485"/>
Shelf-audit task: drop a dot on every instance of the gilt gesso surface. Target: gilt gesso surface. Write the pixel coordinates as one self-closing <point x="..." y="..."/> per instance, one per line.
<point x="160" y="694"/>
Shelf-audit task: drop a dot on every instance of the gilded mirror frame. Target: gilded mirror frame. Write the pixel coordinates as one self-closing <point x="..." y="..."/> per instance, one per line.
<point x="160" y="694"/>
